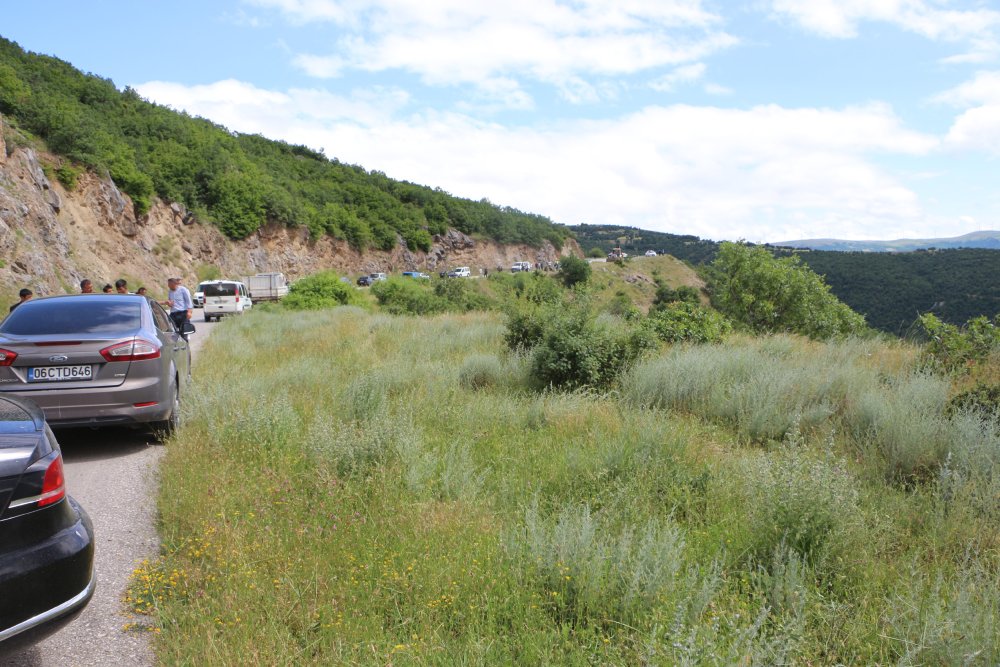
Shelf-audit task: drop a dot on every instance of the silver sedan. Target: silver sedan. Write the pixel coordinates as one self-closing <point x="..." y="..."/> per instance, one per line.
<point x="96" y="359"/>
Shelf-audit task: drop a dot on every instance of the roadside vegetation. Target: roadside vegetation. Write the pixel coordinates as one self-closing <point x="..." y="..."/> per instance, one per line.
<point x="538" y="480"/>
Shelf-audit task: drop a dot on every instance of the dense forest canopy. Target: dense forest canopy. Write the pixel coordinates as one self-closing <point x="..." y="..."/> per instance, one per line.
<point x="236" y="181"/>
<point x="889" y="289"/>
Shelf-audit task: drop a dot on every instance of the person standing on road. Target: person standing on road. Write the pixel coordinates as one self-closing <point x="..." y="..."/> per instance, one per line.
<point x="179" y="300"/>
<point x="86" y="287"/>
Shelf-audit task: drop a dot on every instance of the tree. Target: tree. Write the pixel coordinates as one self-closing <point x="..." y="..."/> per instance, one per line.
<point x="770" y="295"/>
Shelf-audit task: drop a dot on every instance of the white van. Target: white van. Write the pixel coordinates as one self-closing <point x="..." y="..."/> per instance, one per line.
<point x="225" y="297"/>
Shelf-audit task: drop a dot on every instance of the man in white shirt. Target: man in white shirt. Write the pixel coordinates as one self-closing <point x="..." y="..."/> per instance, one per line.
<point x="179" y="300"/>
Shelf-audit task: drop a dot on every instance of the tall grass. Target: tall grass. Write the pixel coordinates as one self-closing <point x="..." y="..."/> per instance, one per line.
<point x="350" y="488"/>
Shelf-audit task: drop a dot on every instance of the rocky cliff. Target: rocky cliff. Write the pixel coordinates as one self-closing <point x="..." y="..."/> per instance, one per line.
<point x="51" y="238"/>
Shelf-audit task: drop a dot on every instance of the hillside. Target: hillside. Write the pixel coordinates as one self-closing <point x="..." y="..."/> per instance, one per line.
<point x="51" y="237"/>
<point x="239" y="183"/>
<point x="889" y="289"/>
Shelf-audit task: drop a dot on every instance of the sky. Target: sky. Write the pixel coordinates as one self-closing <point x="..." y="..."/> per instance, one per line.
<point x="764" y="120"/>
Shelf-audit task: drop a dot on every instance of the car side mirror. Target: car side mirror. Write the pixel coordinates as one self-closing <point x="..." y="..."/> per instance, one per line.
<point x="188" y="328"/>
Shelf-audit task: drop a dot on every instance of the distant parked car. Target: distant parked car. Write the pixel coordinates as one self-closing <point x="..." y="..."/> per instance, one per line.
<point x="96" y="359"/>
<point x="198" y="298"/>
<point x="46" y="538"/>
<point x="650" y="253"/>
<point x="520" y="266"/>
<point x="370" y="279"/>
<point x="460" y="272"/>
<point x="416" y="274"/>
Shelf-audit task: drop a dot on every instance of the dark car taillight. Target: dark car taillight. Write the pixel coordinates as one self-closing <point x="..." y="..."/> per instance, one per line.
<point x="7" y="357"/>
<point x="131" y="350"/>
<point x="42" y="484"/>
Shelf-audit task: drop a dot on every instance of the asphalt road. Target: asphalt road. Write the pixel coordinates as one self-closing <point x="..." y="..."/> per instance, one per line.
<point x="112" y="473"/>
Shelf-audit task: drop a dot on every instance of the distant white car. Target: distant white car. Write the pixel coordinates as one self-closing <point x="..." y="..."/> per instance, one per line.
<point x="650" y="253"/>
<point x="460" y="272"/>
<point x="520" y="266"/>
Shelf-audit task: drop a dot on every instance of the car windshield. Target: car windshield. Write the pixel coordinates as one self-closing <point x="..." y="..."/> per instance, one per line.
<point x="219" y="289"/>
<point x="73" y="316"/>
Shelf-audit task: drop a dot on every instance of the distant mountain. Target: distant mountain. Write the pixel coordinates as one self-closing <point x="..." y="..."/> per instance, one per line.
<point x="988" y="239"/>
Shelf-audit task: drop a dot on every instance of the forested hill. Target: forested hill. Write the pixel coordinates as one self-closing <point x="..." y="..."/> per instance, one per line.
<point x="889" y="289"/>
<point x="238" y="182"/>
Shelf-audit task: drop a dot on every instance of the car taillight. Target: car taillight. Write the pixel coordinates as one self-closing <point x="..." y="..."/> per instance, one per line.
<point x="131" y="350"/>
<point x="54" y="484"/>
<point x="31" y="495"/>
<point x="7" y="357"/>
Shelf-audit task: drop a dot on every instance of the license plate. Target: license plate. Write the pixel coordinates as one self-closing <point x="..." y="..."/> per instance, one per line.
<point x="60" y="373"/>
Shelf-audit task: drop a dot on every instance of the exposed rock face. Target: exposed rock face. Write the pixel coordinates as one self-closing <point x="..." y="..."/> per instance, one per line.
<point x="50" y="239"/>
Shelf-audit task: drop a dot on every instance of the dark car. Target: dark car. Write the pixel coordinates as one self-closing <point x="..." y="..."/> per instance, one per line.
<point x="46" y="539"/>
<point x="96" y="359"/>
<point x="365" y="281"/>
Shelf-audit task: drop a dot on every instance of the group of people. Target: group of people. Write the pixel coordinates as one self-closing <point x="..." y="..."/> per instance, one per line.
<point x="179" y="299"/>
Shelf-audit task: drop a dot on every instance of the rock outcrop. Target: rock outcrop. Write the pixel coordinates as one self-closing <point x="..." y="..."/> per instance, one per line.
<point x="51" y="238"/>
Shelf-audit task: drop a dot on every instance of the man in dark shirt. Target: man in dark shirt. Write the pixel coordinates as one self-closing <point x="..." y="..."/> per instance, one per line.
<point x="25" y="294"/>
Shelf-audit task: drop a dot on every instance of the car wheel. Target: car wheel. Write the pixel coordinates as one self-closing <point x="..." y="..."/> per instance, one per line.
<point x="164" y="429"/>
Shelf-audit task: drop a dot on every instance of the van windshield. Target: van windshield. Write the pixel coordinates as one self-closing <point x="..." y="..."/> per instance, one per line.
<point x="218" y="289"/>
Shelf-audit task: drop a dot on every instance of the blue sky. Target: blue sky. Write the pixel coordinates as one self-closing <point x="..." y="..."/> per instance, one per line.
<point x="765" y="120"/>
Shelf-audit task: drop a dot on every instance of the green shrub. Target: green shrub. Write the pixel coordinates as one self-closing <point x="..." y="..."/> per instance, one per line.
<point x="68" y="174"/>
<point x="983" y="399"/>
<point x="320" y="290"/>
<point x="577" y="350"/>
<point x="408" y="297"/>
<point x="953" y="348"/>
<point x="525" y="327"/>
<point x="665" y="295"/>
<point x="463" y="295"/>
<point x="574" y="271"/>
<point x="686" y="321"/>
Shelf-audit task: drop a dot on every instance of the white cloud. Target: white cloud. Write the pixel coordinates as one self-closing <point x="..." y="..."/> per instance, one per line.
<point x="933" y="19"/>
<point x="449" y="42"/>
<point x="685" y="74"/>
<point x="977" y="128"/>
<point x="764" y="173"/>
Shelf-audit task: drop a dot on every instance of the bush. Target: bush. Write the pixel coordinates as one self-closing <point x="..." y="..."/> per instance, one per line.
<point x="578" y="351"/>
<point x="983" y="399"/>
<point x="684" y="321"/>
<point x="953" y="348"/>
<point x="320" y="290"/>
<point x="408" y="297"/>
<point x="666" y="295"/>
<point x="574" y="271"/>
